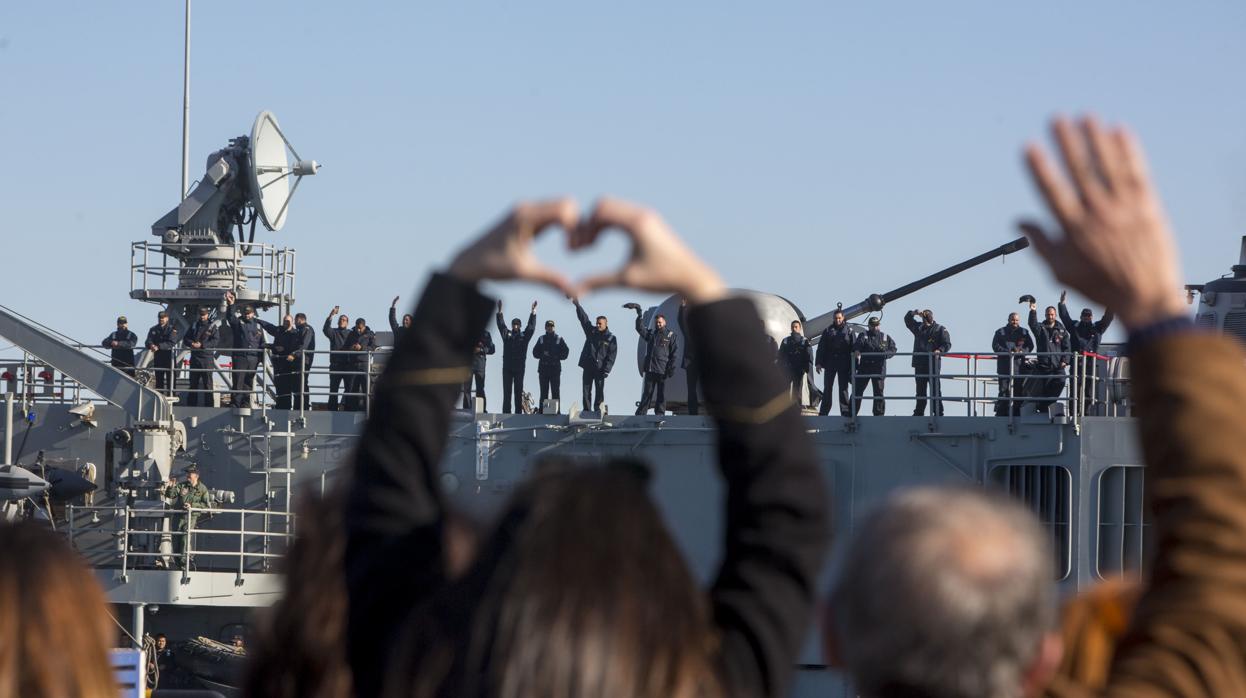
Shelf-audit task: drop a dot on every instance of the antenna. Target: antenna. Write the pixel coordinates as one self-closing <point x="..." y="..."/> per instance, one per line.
<point x="271" y="170"/>
<point x="186" y="109"/>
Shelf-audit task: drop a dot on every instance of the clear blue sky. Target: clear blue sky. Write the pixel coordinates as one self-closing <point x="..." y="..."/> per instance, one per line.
<point x="816" y="150"/>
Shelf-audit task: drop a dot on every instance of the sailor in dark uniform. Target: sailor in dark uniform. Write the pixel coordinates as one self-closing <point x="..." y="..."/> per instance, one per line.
<point x="692" y="371"/>
<point x="661" y="349"/>
<point x="871" y="349"/>
<point x="795" y="355"/>
<point x="1011" y="343"/>
<point x="549" y="351"/>
<point x="480" y="357"/>
<point x="835" y="348"/>
<point x="398" y="329"/>
<point x="1052" y="343"/>
<point x="930" y="342"/>
<point x="514" y="357"/>
<point x="120" y="345"/>
<point x="201" y="339"/>
<point x="601" y="348"/>
<point x="248" y="341"/>
<point x="338" y="362"/>
<point x="361" y="341"/>
<point x="1084" y="337"/>
<point x="161" y="339"/>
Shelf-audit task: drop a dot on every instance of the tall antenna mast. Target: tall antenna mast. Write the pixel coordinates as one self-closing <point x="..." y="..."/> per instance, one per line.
<point x="186" y="110"/>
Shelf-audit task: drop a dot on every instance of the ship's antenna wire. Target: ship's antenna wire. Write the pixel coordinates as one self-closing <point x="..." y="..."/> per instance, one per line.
<point x="186" y="109"/>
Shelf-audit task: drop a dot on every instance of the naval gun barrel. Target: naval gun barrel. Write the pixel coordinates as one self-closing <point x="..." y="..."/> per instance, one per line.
<point x="875" y="301"/>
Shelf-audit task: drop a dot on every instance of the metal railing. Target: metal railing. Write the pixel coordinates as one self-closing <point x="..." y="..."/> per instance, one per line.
<point x="1084" y="385"/>
<point x="156" y="537"/>
<point x="266" y="270"/>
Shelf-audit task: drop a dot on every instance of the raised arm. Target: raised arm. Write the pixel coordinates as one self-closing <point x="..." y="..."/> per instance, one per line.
<point x="776" y="517"/>
<point x="583" y="318"/>
<point x="1064" y="314"/>
<point x="527" y="332"/>
<point x="393" y="320"/>
<point x="1105" y="322"/>
<point x="1033" y="320"/>
<point x="910" y="323"/>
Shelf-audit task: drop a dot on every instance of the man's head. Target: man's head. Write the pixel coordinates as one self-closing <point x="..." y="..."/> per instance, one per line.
<point x="515" y="324"/>
<point x="660" y="322"/>
<point x="360" y="324"/>
<point x="795" y="326"/>
<point x="1087" y="316"/>
<point x="407" y="320"/>
<point x="945" y="592"/>
<point x="162" y="641"/>
<point x="204" y="312"/>
<point x="343" y="322"/>
<point x="549" y="327"/>
<point x="162" y="318"/>
<point x="122" y="323"/>
<point x="248" y="313"/>
<point x="928" y="316"/>
<point x="287" y="321"/>
<point x="1014" y="319"/>
<point x="192" y="476"/>
<point x="601" y="323"/>
<point x="300" y="319"/>
<point x="1051" y="314"/>
<point x="873" y="323"/>
<point x="838" y="318"/>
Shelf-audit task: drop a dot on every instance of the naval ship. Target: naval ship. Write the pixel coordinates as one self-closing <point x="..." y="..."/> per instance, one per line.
<point x="73" y="423"/>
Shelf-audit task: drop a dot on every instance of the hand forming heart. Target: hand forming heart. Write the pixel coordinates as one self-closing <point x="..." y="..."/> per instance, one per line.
<point x="659" y="261"/>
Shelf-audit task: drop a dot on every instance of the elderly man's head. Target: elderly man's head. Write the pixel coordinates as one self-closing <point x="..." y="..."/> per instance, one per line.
<point x="945" y="592"/>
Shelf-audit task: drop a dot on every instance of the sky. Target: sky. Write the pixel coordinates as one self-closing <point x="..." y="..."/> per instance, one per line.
<point x="819" y="151"/>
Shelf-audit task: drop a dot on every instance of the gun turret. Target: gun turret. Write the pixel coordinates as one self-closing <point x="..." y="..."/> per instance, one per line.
<point x="875" y="301"/>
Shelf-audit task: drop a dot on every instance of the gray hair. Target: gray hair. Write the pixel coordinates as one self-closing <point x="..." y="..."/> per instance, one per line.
<point x="943" y="592"/>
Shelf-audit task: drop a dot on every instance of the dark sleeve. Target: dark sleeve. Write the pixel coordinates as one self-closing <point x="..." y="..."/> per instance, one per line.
<point x="945" y="340"/>
<point x="212" y="338"/>
<point x="1188" y="632"/>
<point x="393" y="509"/>
<point x="910" y="323"/>
<point x="1034" y="322"/>
<point x="131" y="340"/>
<point x="328" y="325"/>
<point x="891" y="347"/>
<point x="527" y="333"/>
<point x="563" y="349"/>
<point x="269" y="327"/>
<point x="583" y="318"/>
<point x="1106" y="321"/>
<point x="536" y="348"/>
<point x="998" y="344"/>
<point x="489" y="348"/>
<point x="108" y="340"/>
<point x="612" y="352"/>
<point x="501" y="325"/>
<point x="393" y="320"/>
<point x="817" y="356"/>
<point x="234" y="323"/>
<point x="671" y="354"/>
<point x="1029" y="342"/>
<point x="777" y="523"/>
<point x="304" y="343"/>
<point x="186" y="340"/>
<point x="640" y="329"/>
<point x="1064" y="314"/>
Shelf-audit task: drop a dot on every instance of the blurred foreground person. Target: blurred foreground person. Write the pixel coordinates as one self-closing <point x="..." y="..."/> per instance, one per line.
<point x="54" y="625"/>
<point x="984" y="625"/>
<point x="579" y="589"/>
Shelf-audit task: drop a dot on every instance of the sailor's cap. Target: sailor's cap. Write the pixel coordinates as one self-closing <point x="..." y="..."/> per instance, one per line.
<point x="121" y="320"/>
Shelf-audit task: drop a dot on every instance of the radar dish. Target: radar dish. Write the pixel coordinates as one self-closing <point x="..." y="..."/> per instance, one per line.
<point x="271" y="170"/>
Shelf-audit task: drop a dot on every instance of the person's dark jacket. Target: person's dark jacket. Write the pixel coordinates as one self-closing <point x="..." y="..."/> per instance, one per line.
<point x="600" y="348"/>
<point x="515" y="344"/>
<point x="366" y="339"/>
<point x="484" y="347"/>
<point x="690" y="356"/>
<point x="205" y="333"/>
<point x="287" y="341"/>
<point x="1050" y="338"/>
<point x="246" y="336"/>
<point x="1085" y="336"/>
<point x="550" y="351"/>
<point x="835" y="346"/>
<point x="661" y="348"/>
<point x="873" y="342"/>
<point x="165" y="338"/>
<point x="1010" y="343"/>
<point x="337" y="342"/>
<point x="776" y="519"/>
<point x="394" y="326"/>
<point x="795" y="354"/>
<point x="309" y="342"/>
<point x="123" y="353"/>
<point x="927" y="339"/>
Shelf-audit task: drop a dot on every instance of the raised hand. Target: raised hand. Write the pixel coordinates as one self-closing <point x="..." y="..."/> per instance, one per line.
<point x="1063" y="295"/>
<point x="1117" y="248"/>
<point x="505" y="251"/>
<point x="534" y="306"/>
<point x="335" y="309"/>
<point x="659" y="260"/>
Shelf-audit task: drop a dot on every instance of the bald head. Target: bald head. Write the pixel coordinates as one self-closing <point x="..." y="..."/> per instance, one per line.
<point x="946" y="592"/>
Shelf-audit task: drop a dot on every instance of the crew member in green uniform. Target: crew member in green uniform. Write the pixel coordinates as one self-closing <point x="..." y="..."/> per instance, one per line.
<point x="185" y="495"/>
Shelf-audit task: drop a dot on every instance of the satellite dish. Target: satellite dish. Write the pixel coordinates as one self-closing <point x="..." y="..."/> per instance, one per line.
<point x="271" y="170"/>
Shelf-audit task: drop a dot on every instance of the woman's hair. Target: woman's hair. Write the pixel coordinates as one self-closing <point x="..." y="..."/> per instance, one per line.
<point x="299" y="650"/>
<point x="54" y="625"/>
<point x="579" y="591"/>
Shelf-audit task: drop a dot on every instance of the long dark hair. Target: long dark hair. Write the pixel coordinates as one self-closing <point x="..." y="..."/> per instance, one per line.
<point x="579" y="591"/>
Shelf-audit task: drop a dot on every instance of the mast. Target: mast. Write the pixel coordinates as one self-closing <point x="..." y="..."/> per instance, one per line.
<point x="186" y="109"/>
